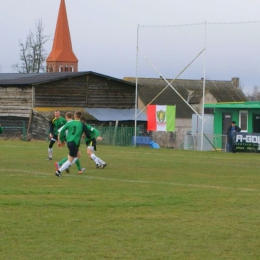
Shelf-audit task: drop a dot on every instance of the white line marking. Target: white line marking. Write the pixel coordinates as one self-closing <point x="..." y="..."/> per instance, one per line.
<point x="136" y="181"/>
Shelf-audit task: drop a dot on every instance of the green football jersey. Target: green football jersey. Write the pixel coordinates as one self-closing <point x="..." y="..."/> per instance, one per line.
<point x="94" y="133"/>
<point x="1" y="130"/>
<point x="75" y="130"/>
<point x="56" y="124"/>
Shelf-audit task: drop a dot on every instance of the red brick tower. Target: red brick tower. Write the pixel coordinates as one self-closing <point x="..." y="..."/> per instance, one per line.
<point x="62" y="57"/>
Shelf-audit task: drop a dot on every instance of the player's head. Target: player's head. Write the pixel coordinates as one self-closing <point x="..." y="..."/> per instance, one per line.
<point x="77" y="115"/>
<point x="57" y="113"/>
<point x="233" y="123"/>
<point x="69" y="116"/>
<point x="83" y="120"/>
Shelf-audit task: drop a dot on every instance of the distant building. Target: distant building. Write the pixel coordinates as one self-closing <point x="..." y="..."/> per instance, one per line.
<point x="191" y="91"/>
<point x="31" y="99"/>
<point x="246" y="115"/>
<point x="62" y="57"/>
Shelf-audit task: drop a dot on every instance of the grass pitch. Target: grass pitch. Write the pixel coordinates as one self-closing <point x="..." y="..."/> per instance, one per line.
<point x="146" y="204"/>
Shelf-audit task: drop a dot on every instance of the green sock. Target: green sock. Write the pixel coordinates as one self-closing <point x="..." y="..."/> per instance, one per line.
<point x="63" y="161"/>
<point x="78" y="165"/>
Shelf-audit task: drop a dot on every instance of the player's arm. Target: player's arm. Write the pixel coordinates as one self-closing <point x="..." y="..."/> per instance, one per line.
<point x="51" y="129"/>
<point x="95" y="131"/>
<point x="97" y="134"/>
<point x="62" y="136"/>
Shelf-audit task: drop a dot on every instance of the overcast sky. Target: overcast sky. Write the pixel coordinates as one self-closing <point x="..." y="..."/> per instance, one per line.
<point x="104" y="32"/>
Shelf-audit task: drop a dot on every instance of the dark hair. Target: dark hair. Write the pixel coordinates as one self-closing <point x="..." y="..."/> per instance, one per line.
<point x="233" y="122"/>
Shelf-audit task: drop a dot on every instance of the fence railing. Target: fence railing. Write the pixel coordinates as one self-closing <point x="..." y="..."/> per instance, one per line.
<point x="14" y="131"/>
<point x="205" y="142"/>
<point x="117" y="136"/>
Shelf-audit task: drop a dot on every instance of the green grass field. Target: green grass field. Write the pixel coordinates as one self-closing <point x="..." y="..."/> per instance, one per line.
<point x="146" y="204"/>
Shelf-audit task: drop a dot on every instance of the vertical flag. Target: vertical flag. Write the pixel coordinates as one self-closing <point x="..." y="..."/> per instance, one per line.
<point x="161" y="118"/>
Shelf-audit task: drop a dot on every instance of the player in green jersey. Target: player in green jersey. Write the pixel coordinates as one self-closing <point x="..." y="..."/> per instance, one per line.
<point x="75" y="130"/>
<point x="1" y="130"/>
<point x="69" y="118"/>
<point x="56" y="123"/>
<point x="91" y="145"/>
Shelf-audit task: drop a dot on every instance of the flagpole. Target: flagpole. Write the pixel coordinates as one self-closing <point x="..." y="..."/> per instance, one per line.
<point x="136" y="85"/>
<point x="203" y="91"/>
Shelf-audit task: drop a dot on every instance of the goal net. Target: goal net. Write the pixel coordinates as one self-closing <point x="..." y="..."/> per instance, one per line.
<point x="220" y="51"/>
<point x="211" y="142"/>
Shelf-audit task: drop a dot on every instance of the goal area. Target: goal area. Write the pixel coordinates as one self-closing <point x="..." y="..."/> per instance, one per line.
<point x="211" y="142"/>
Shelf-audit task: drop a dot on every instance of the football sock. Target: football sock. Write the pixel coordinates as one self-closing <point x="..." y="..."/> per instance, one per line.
<point x="63" y="161"/>
<point x="78" y="165"/>
<point x="94" y="158"/>
<point x="100" y="161"/>
<point x="65" y="166"/>
<point x="74" y="160"/>
<point x="50" y="152"/>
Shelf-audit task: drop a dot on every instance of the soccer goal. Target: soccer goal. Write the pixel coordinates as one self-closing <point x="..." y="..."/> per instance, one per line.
<point x="167" y="56"/>
<point x="211" y="142"/>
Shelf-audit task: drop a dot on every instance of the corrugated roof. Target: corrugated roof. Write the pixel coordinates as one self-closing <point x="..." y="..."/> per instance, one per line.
<point x="48" y="112"/>
<point x="22" y="79"/>
<point x="190" y="90"/>
<point x="110" y="114"/>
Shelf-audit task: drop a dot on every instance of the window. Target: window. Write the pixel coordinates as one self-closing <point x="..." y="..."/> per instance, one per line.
<point x="66" y="68"/>
<point x="71" y="68"/>
<point x="61" y="68"/>
<point x="243" y="120"/>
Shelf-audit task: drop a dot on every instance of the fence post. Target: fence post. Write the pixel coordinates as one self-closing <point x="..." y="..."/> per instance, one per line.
<point x="115" y="132"/>
<point x="24" y="132"/>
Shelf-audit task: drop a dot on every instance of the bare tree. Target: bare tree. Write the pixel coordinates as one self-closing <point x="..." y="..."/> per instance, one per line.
<point x="32" y="52"/>
<point x="254" y="95"/>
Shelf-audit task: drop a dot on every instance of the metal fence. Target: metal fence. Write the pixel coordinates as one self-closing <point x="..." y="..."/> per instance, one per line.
<point x="117" y="136"/>
<point x="14" y="132"/>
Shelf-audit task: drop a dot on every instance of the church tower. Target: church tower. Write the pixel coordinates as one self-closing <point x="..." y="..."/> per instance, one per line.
<point x="62" y="57"/>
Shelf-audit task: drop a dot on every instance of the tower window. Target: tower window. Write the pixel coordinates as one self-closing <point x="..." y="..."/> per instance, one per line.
<point x="66" y="68"/>
<point x="71" y="68"/>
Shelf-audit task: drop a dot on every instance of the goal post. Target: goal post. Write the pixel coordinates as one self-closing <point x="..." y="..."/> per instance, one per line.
<point x="211" y="142"/>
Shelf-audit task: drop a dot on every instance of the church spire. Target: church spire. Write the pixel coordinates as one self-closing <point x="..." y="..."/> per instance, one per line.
<point x="62" y="57"/>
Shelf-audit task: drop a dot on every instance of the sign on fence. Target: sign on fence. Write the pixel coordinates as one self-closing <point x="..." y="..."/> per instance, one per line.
<point x="245" y="141"/>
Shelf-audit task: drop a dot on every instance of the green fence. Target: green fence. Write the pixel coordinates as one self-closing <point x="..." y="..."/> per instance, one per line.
<point x="118" y="136"/>
<point x="14" y="131"/>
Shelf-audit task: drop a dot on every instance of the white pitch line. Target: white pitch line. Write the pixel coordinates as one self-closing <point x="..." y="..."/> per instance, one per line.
<point x="137" y="181"/>
<point x="19" y="146"/>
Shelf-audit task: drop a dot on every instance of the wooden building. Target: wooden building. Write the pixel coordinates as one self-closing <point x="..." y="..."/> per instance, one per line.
<point x="32" y="98"/>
